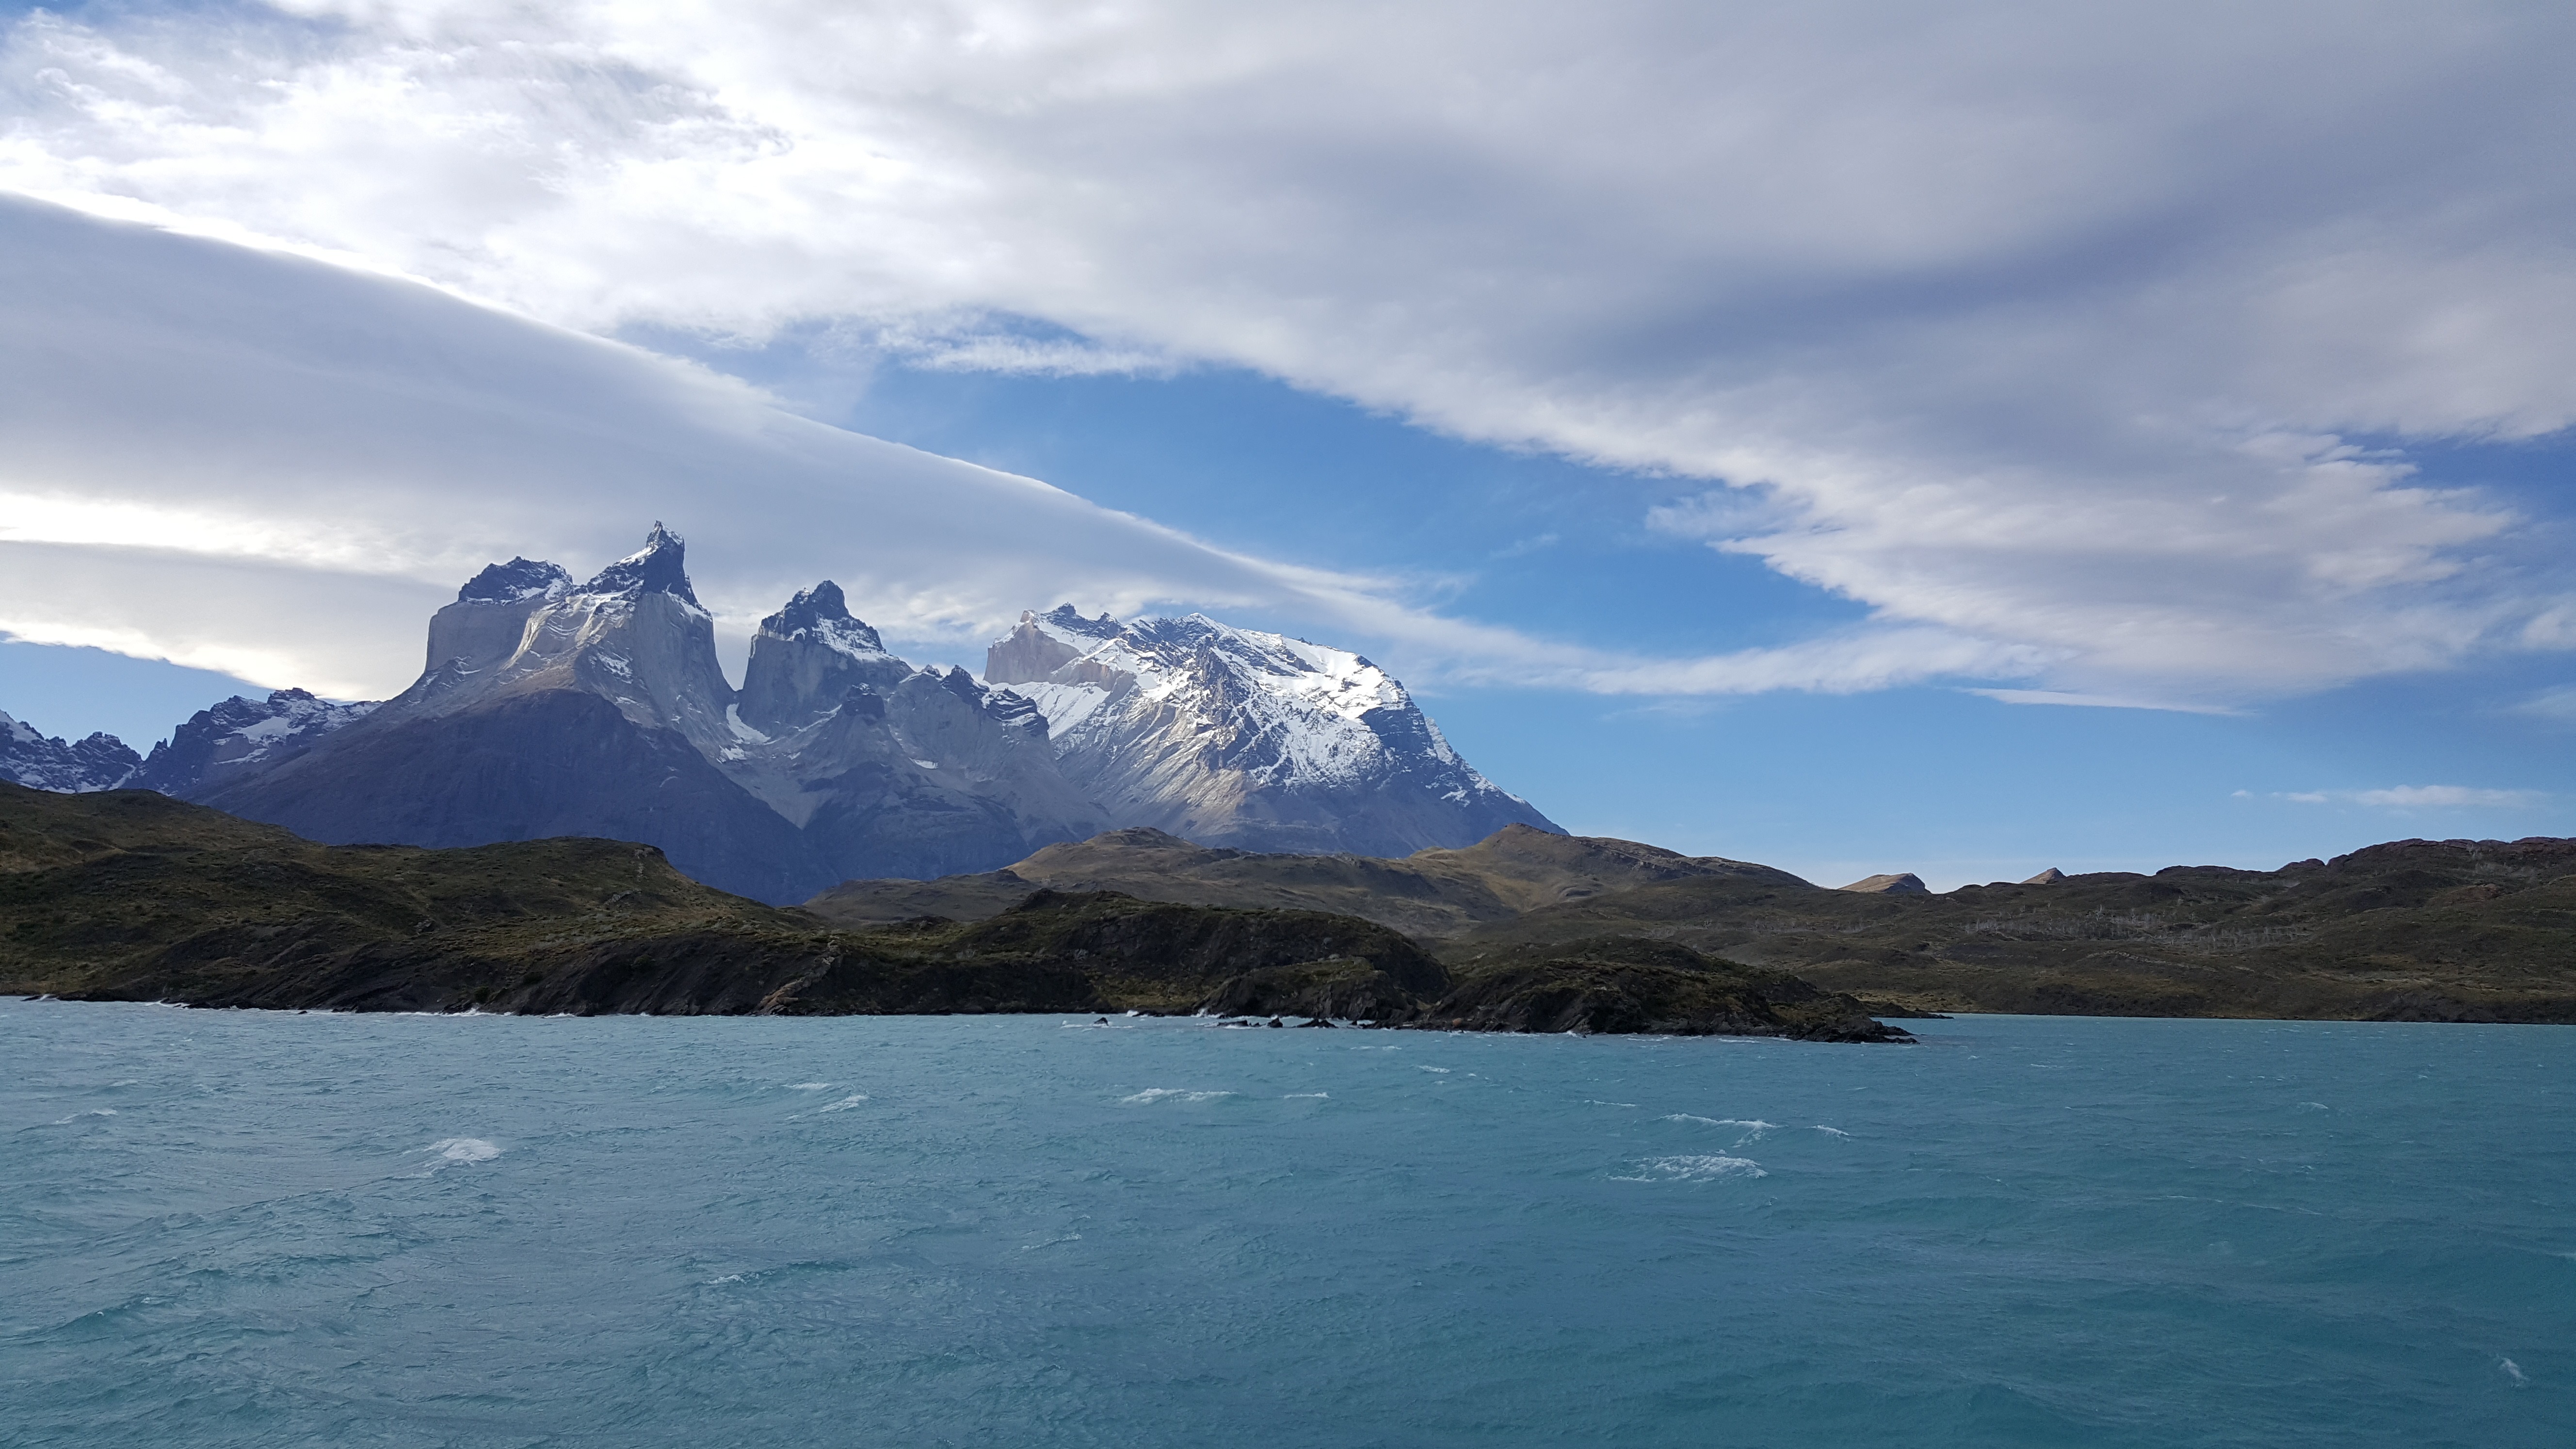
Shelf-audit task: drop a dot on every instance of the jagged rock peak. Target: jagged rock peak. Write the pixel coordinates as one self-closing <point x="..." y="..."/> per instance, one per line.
<point x="1069" y="619"/>
<point x="822" y="614"/>
<point x="29" y="757"/>
<point x="659" y="567"/>
<point x="2050" y="876"/>
<point x="520" y="578"/>
<point x="239" y="735"/>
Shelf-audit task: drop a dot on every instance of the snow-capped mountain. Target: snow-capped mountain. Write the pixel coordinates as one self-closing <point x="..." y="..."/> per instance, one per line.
<point x="29" y="757"/>
<point x="551" y="706"/>
<point x="1235" y="737"/>
<point x="887" y="768"/>
<point x="555" y="707"/>
<point x="241" y="736"/>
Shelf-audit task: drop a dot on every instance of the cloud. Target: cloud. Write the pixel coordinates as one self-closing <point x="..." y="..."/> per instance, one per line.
<point x="2557" y="704"/>
<point x="2046" y="334"/>
<point x="263" y="464"/>
<point x="2417" y="797"/>
<point x="2097" y="701"/>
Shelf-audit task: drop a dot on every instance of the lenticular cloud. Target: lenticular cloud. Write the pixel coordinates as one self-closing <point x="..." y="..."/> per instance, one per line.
<point x="2049" y="335"/>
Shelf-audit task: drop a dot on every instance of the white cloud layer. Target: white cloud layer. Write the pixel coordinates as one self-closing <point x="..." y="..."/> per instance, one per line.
<point x="2054" y="334"/>
<point x="258" y="463"/>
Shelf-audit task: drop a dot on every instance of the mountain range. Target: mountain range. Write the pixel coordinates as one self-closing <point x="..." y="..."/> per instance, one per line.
<point x="554" y="707"/>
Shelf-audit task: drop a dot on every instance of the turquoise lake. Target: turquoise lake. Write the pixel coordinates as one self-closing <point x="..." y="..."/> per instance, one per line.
<point x="237" y="1228"/>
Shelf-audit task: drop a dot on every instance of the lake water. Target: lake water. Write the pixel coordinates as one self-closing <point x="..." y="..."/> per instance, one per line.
<point x="224" y="1228"/>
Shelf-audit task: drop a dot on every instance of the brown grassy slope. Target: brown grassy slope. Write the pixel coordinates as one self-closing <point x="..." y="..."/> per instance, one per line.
<point x="1428" y="895"/>
<point x="2443" y="930"/>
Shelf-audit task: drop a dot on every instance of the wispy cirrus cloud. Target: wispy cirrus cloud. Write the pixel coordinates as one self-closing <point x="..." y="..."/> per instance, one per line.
<point x="2044" y="334"/>
<point x="2418" y="797"/>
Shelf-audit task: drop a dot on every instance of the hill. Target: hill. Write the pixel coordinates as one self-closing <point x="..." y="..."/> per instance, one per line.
<point x="2410" y="930"/>
<point x="129" y="895"/>
<point x="1430" y="894"/>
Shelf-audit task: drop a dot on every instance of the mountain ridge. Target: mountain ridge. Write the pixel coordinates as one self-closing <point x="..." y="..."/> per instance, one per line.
<point x="548" y="705"/>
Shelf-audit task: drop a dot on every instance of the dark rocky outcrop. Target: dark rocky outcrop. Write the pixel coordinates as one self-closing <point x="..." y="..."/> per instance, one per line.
<point x="1168" y="957"/>
<point x="1632" y="985"/>
<point x="1342" y="989"/>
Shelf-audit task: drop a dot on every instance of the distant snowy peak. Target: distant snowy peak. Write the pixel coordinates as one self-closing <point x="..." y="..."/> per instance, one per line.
<point x="516" y="581"/>
<point x="31" y="758"/>
<point x="1318" y="698"/>
<point x="809" y="659"/>
<point x="1235" y="736"/>
<point x="822" y="614"/>
<point x="634" y="635"/>
<point x="659" y="567"/>
<point x="241" y="735"/>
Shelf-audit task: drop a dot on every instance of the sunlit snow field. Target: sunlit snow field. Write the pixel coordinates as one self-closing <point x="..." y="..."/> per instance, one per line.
<point x="242" y="1228"/>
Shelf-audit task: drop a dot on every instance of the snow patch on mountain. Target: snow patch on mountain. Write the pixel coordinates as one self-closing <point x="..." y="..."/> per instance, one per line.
<point x="241" y="735"/>
<point x="31" y="758"/>
<point x="1237" y="736"/>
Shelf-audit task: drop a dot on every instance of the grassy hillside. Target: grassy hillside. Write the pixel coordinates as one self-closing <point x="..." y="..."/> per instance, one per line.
<point x="2433" y="930"/>
<point x="1429" y="895"/>
<point x="133" y="896"/>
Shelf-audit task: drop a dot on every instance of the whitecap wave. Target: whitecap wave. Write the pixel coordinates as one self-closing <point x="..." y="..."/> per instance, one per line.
<point x="463" y="1149"/>
<point x="1293" y="1096"/>
<point x="843" y="1105"/>
<point x="1444" y="1071"/>
<point x="1829" y="1131"/>
<point x="92" y="1112"/>
<point x="1692" y="1169"/>
<point x="1171" y="1094"/>
<point x="807" y="1086"/>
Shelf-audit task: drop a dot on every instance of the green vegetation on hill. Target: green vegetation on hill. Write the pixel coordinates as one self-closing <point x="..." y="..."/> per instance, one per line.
<point x="2429" y="930"/>
<point x="2412" y="930"/>
<point x="130" y="895"/>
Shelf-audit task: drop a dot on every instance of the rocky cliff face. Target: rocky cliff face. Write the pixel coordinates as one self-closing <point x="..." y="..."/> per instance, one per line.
<point x="1233" y="737"/>
<point x="242" y="737"/>
<point x="553" y="707"/>
<point x="29" y="757"/>
<point x="889" y="769"/>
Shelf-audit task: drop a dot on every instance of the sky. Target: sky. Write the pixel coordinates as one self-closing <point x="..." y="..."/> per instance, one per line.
<point x="1853" y="437"/>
